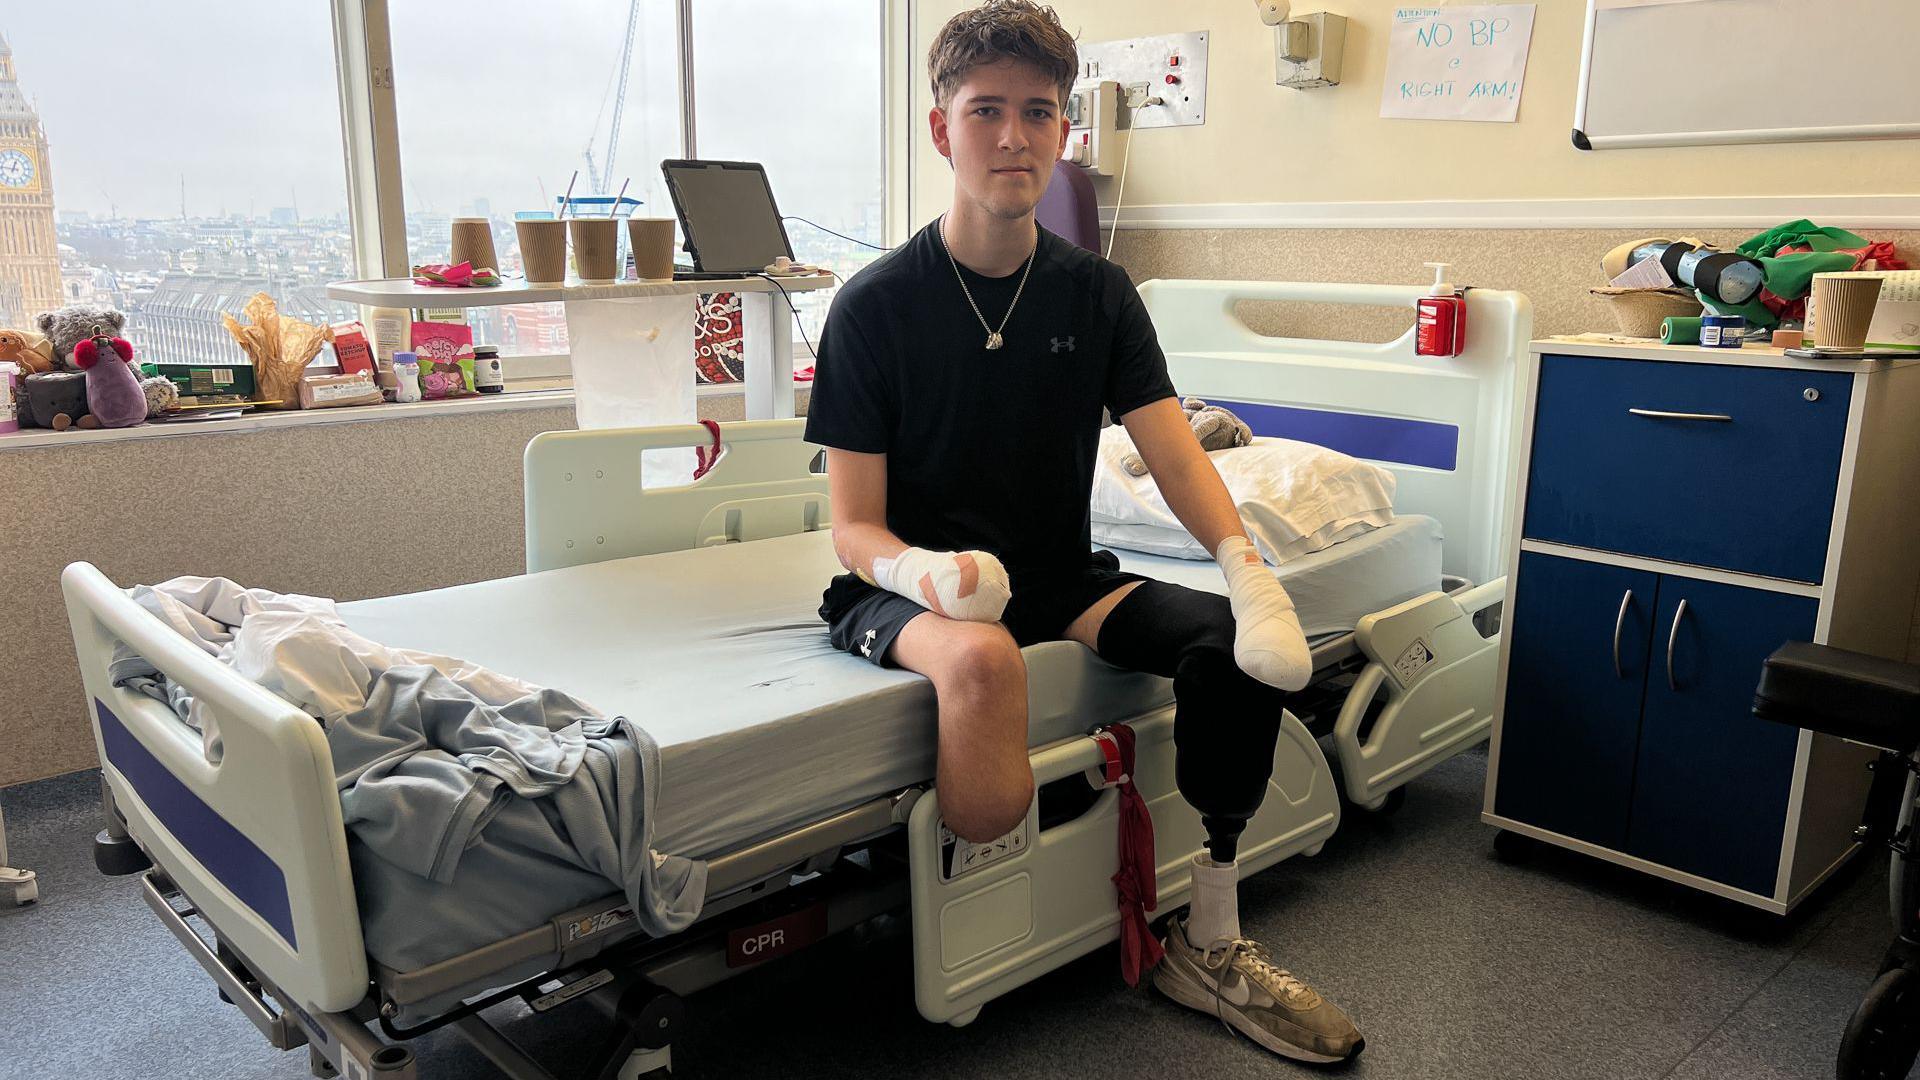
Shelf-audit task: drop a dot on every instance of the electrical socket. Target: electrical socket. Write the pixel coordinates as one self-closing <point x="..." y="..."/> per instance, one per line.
<point x="1138" y="93"/>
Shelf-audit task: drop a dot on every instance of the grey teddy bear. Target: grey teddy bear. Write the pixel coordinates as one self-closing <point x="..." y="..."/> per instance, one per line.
<point x="75" y="323"/>
<point x="1215" y="427"/>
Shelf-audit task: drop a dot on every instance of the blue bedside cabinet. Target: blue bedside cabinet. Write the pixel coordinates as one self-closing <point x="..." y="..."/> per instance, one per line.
<point x="1682" y="512"/>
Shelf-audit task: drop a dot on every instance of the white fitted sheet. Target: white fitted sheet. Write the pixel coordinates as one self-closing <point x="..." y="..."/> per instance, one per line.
<point x="762" y="725"/>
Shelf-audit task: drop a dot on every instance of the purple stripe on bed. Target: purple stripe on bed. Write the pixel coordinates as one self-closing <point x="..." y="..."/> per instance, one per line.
<point x="237" y="862"/>
<point x="1378" y="438"/>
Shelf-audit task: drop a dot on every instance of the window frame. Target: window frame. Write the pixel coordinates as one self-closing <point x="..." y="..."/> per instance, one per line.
<point x="370" y="133"/>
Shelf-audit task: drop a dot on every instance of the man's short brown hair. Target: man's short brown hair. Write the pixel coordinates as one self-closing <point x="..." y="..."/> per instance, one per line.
<point x="1001" y="30"/>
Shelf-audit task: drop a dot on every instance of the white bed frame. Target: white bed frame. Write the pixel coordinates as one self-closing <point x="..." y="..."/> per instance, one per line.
<point x="286" y="927"/>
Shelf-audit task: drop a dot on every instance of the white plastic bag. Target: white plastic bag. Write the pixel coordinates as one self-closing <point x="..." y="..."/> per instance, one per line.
<point x="633" y="367"/>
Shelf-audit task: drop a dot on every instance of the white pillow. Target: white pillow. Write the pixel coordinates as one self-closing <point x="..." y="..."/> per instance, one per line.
<point x="1294" y="497"/>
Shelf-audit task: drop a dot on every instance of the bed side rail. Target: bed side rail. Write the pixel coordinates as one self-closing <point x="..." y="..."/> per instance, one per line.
<point x="255" y="841"/>
<point x="586" y="503"/>
<point x="1439" y="677"/>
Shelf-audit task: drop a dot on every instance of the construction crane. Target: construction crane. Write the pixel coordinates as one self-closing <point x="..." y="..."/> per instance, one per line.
<point x="601" y="178"/>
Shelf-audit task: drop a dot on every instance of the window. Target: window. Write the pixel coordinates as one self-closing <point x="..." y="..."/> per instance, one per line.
<point x="500" y="103"/>
<point x="173" y="172"/>
<point x="801" y="88"/>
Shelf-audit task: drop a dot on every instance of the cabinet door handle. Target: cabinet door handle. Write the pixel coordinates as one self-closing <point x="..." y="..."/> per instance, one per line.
<point x="1672" y="635"/>
<point x="1619" y="623"/>
<point x="1662" y="414"/>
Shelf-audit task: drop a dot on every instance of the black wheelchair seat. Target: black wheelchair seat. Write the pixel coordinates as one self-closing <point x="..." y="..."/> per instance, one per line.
<point x="1866" y="699"/>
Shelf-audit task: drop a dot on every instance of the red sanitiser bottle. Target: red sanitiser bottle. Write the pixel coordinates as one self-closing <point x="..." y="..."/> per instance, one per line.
<point x="1442" y="321"/>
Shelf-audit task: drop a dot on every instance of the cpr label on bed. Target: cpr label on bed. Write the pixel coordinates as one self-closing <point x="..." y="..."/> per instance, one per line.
<point x="776" y="937"/>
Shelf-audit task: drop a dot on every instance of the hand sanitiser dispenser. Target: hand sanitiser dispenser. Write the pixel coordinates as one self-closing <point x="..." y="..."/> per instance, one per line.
<point x="1442" y="321"/>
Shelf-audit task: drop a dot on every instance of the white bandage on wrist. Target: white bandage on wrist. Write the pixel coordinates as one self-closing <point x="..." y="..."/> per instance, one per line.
<point x="1268" y="643"/>
<point x="968" y="585"/>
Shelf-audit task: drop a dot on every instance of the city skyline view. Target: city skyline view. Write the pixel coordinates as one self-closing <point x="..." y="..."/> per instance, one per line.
<point x="175" y="230"/>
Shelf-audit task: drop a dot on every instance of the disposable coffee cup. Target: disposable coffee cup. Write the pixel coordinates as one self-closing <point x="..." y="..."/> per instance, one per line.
<point x="596" y="249"/>
<point x="1843" y="310"/>
<point x="651" y="240"/>
<point x="543" y="251"/>
<point x="473" y="243"/>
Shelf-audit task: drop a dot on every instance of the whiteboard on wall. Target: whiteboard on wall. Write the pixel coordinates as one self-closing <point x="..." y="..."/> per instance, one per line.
<point x="1686" y="72"/>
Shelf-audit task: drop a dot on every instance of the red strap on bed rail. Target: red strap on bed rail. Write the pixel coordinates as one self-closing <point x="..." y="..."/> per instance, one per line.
<point x="707" y="456"/>
<point x="1135" y="881"/>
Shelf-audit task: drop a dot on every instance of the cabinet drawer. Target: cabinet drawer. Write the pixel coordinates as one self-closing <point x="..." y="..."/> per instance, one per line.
<point x="1743" y="479"/>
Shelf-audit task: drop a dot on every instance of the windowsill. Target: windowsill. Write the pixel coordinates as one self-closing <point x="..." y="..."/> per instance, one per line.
<point x="512" y="401"/>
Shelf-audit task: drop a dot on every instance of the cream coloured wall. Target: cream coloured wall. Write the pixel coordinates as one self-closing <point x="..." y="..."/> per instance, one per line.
<point x="1266" y="144"/>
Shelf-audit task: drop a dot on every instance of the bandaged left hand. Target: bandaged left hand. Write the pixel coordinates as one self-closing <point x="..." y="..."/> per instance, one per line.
<point x="1268" y="643"/>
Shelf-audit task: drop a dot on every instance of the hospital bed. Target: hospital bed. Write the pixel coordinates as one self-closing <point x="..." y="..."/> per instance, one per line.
<point x="800" y="774"/>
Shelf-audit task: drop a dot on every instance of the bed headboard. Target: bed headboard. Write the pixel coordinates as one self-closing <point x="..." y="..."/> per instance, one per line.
<point x="1443" y="425"/>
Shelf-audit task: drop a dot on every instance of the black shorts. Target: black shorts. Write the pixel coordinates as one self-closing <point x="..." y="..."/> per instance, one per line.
<point x="864" y="619"/>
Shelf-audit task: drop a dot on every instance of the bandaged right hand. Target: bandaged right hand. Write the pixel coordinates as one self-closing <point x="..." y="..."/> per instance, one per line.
<point x="967" y="585"/>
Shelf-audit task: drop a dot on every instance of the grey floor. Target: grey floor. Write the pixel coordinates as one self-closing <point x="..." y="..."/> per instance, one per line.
<point x="1453" y="963"/>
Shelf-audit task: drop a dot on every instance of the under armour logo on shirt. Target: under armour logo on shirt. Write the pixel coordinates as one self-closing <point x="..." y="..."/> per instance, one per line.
<point x="866" y="647"/>
<point x="1060" y="346"/>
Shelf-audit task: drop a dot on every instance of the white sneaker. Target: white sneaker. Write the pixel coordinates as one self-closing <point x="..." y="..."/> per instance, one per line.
<point x="1238" y="982"/>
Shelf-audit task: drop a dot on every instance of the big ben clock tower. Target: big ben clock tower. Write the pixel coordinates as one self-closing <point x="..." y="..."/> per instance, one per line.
<point x="29" y="254"/>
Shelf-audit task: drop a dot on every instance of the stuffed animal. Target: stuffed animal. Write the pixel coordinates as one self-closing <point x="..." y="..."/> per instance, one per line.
<point x="32" y="353"/>
<point x="67" y="327"/>
<point x="113" y="391"/>
<point x="1215" y="427"/>
<point x="71" y="326"/>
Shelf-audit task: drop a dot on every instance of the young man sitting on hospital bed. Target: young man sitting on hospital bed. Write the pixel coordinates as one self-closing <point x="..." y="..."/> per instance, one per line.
<point x="960" y="388"/>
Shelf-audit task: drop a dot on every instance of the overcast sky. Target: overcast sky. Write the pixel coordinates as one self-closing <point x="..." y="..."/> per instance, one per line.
<point x="497" y="99"/>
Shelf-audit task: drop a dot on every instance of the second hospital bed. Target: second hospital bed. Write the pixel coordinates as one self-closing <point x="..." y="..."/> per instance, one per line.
<point x="801" y="773"/>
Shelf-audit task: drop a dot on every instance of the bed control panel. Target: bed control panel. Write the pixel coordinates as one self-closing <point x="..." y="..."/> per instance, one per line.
<point x="958" y="856"/>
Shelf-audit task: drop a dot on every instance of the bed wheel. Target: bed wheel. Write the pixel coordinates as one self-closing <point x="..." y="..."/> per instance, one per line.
<point x="1511" y="847"/>
<point x="24" y="888"/>
<point x="1315" y="849"/>
<point x="117" y="858"/>
<point x="1390" y="803"/>
<point x="965" y="1018"/>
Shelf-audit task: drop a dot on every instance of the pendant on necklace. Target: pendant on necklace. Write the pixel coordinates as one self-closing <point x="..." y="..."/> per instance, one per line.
<point x="994" y="340"/>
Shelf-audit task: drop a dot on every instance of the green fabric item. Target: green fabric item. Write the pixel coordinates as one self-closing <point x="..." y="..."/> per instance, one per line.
<point x="1680" y="330"/>
<point x="1799" y="232"/>
<point x="1790" y="277"/>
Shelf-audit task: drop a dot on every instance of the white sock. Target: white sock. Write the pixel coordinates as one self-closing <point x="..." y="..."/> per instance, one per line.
<point x="1267" y="641"/>
<point x="967" y="585"/>
<point x="1216" y="902"/>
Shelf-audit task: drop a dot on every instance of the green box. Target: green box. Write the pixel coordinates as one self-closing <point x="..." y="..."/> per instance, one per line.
<point x="198" y="379"/>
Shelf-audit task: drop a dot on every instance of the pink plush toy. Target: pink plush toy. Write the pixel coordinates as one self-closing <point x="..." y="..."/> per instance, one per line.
<point x="113" y="391"/>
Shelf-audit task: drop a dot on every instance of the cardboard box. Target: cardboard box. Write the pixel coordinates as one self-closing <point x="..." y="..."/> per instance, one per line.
<point x="200" y="379"/>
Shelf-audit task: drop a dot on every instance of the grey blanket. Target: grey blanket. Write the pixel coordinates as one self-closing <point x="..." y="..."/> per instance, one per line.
<point x="476" y="806"/>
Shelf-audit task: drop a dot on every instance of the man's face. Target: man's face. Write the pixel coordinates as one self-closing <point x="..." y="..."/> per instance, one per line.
<point x="1002" y="131"/>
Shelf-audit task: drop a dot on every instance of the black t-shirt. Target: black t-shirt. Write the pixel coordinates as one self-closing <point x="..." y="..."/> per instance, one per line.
<point x="987" y="449"/>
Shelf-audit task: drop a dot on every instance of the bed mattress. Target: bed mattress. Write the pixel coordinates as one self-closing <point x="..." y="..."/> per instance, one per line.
<point x="762" y="725"/>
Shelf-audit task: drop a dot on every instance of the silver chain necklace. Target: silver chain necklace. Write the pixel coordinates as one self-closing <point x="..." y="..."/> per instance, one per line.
<point x="994" y="340"/>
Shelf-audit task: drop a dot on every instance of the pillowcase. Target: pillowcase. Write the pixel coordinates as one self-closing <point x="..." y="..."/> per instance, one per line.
<point x="1294" y="497"/>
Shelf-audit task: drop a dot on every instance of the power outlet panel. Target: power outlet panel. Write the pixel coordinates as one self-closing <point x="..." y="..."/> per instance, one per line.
<point x="1153" y="62"/>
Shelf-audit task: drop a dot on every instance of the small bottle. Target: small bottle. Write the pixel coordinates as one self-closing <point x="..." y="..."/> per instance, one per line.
<point x="406" y="376"/>
<point x="1442" y="320"/>
<point x="9" y="399"/>
<point x="487" y="377"/>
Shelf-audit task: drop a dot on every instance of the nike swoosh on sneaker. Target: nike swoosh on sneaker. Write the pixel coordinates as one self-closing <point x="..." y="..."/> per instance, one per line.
<point x="1236" y="990"/>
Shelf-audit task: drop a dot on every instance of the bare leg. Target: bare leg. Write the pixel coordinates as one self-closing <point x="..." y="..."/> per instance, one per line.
<point x="1086" y="628"/>
<point x="980" y="681"/>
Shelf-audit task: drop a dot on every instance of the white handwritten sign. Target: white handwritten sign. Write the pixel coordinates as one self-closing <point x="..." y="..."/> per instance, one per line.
<point x="1457" y="63"/>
